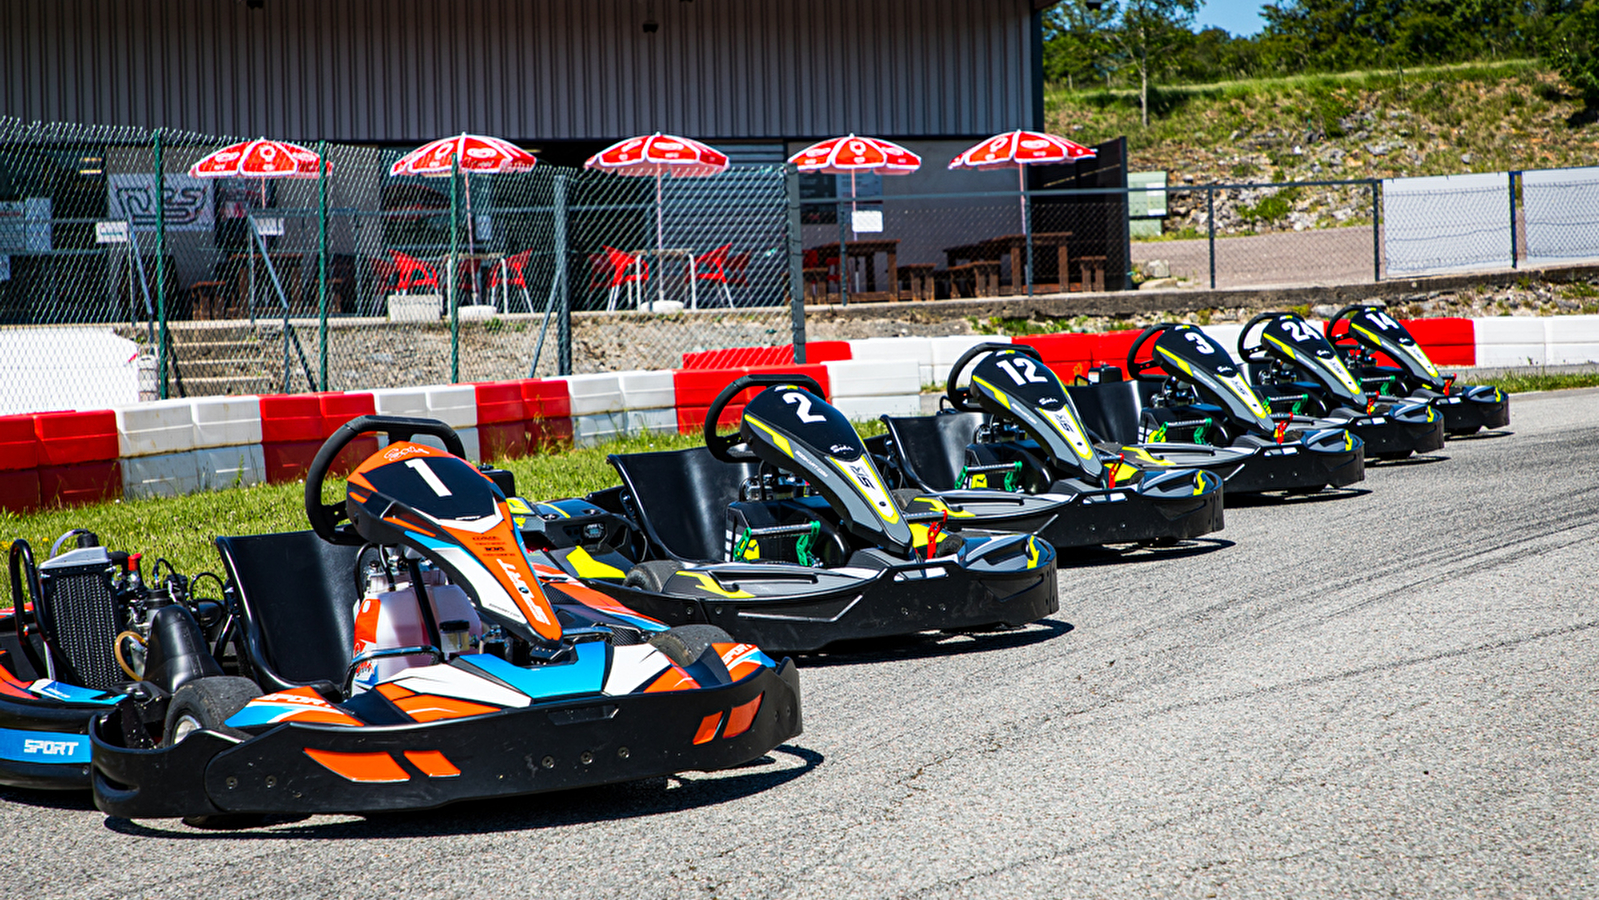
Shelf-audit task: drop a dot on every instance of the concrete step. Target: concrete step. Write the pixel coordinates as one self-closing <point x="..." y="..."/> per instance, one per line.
<point x="211" y="368"/>
<point x="227" y="385"/>
<point x="197" y="350"/>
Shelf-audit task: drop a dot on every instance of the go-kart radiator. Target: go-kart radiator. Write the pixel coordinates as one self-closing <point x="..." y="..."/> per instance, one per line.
<point x="79" y="615"/>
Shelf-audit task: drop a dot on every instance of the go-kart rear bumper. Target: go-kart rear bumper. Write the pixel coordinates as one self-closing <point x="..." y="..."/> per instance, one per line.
<point x="1290" y="468"/>
<point x="1387" y="437"/>
<point x="906" y="599"/>
<point x="544" y="747"/>
<point x="1465" y="413"/>
<point x="1120" y="515"/>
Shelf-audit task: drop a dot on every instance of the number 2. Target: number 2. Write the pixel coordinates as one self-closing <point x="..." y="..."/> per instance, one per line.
<point x="1299" y="331"/>
<point x="1029" y="371"/>
<point x="804" y="402"/>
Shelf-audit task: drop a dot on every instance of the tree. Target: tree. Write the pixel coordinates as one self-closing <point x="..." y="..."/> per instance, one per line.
<point x="1077" y="46"/>
<point x="1573" y="48"/>
<point x="1150" y="28"/>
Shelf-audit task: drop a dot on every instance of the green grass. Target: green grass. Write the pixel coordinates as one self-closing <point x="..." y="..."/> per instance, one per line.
<point x="182" y="529"/>
<point x="1542" y="381"/>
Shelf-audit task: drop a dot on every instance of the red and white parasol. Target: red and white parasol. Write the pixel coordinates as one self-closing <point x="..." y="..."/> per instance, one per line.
<point x="1021" y="148"/>
<point x="851" y="153"/>
<point x="478" y="154"/>
<point x="659" y="154"/>
<point x="259" y="158"/>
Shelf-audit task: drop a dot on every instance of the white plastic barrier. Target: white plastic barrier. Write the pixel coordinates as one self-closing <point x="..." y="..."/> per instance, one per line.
<point x="647" y="390"/>
<point x="597" y="393"/>
<point x="158" y="427"/>
<point x="947" y="351"/>
<point x="597" y="428"/>
<point x="651" y="421"/>
<point x="226" y="467"/>
<point x="1511" y="341"/>
<point x="873" y="378"/>
<point x="919" y="350"/>
<point x="1572" y="339"/>
<point x="455" y="405"/>
<point x="862" y="409"/>
<point x="166" y="475"/>
<point x="226" y="421"/>
<point x="469" y="441"/>
<point x="406" y="401"/>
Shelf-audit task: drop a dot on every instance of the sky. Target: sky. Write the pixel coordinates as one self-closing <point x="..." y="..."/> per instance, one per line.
<point x="1239" y="17"/>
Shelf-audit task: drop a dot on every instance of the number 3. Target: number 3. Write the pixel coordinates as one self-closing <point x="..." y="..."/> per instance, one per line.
<point x="805" y="414"/>
<point x="1200" y="343"/>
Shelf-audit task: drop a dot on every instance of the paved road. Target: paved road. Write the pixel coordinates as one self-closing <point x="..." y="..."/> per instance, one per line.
<point x="1393" y="693"/>
<point x="1324" y="256"/>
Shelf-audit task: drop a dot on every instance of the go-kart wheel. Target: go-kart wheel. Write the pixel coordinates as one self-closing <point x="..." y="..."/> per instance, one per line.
<point x="651" y="576"/>
<point x="326" y="518"/>
<point x="688" y="644"/>
<point x="1140" y="371"/>
<point x="961" y="397"/>
<point x="721" y="446"/>
<point x="207" y="703"/>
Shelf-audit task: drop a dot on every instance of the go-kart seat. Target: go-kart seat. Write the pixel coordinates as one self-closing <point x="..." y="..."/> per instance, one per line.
<point x="1110" y="410"/>
<point x="681" y="498"/>
<point x="297" y="597"/>
<point x="933" y="448"/>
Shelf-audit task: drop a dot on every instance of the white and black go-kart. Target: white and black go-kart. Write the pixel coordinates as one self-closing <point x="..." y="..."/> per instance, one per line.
<point x="1362" y="331"/>
<point x="1189" y="404"/>
<point x="1012" y="454"/>
<point x="787" y="536"/>
<point x="1292" y="365"/>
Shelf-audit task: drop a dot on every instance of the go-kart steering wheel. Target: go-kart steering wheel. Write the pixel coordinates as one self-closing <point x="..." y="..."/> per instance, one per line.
<point x="325" y="518"/>
<point x="961" y="397"/>
<point x="1257" y="353"/>
<point x="1141" y="371"/>
<point x="1344" y="316"/>
<point x="721" y="446"/>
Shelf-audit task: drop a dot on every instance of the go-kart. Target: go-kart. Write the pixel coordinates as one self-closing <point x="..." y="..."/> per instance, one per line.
<point x="83" y="629"/>
<point x="405" y="653"/>
<point x="1297" y="371"/>
<point x="1011" y="454"/>
<point x="1362" y="331"/>
<point x="787" y="536"/>
<point x="1188" y="404"/>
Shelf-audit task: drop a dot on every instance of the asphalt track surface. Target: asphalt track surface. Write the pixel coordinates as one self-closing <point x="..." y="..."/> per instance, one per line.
<point x="1390" y="693"/>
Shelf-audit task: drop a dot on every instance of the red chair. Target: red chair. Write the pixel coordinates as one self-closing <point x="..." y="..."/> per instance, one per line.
<point x="512" y="271"/>
<point x="614" y="268"/>
<point x="412" y="272"/>
<point x="712" y="266"/>
<point x="737" y="269"/>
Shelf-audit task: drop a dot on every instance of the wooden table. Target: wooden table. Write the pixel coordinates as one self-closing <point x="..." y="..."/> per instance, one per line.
<point x="250" y="271"/>
<point x="867" y="250"/>
<point x="1015" y="246"/>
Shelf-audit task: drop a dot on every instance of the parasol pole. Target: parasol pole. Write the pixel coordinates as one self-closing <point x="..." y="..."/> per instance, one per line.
<point x="1027" y="235"/>
<point x="660" y="283"/>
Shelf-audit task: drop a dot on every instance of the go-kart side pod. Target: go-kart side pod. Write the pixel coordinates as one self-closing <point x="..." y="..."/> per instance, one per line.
<point x="1299" y="362"/>
<point x="1466" y="408"/>
<point x="299" y="768"/>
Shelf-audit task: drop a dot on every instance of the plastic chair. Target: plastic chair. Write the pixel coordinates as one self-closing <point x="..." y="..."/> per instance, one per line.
<point x="412" y="272"/>
<point x="737" y="269"/>
<point x="712" y="266"/>
<point x="614" y="269"/>
<point x="511" y="271"/>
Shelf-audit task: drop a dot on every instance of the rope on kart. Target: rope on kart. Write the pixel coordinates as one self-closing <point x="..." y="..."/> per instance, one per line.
<point x="1199" y="433"/>
<point x="1281" y="431"/>
<point x="934" y="531"/>
<point x="1449" y="384"/>
<point x="742" y="545"/>
<point x="802" y="547"/>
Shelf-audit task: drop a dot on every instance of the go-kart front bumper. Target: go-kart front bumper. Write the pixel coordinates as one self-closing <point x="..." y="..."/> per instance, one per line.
<point x="45" y="745"/>
<point x="300" y="768"/>
<point x="1292" y="467"/>
<point x="1091" y="518"/>
<point x="1393" y="437"/>
<point x="1472" y="408"/>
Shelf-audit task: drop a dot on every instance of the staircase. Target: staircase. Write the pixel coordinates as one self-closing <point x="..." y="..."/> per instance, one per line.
<point x="219" y="358"/>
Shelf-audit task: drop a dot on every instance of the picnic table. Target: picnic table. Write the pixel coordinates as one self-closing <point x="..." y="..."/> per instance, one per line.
<point x="1015" y="246"/>
<point x="867" y="250"/>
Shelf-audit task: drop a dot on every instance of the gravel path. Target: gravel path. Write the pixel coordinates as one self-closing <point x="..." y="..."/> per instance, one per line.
<point x="1390" y="693"/>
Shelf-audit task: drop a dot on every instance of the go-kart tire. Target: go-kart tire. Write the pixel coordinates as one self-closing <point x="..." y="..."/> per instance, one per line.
<point x="685" y="644"/>
<point x="651" y="576"/>
<point x="207" y="703"/>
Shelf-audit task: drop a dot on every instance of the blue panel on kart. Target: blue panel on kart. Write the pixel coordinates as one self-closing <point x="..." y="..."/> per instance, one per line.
<point x="70" y="693"/>
<point x="43" y="747"/>
<point x="585" y="675"/>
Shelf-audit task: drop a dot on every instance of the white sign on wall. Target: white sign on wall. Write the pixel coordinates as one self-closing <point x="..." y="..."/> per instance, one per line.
<point x="867" y="220"/>
<point x="189" y="204"/>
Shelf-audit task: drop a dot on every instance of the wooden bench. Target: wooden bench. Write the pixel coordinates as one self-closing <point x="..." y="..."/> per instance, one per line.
<point x="920" y="278"/>
<point x="816" y="284"/>
<point x="206" y="300"/>
<point x="980" y="278"/>
<point x="1093" y="273"/>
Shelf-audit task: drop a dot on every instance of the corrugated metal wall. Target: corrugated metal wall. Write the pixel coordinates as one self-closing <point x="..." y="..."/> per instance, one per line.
<point x="530" y="70"/>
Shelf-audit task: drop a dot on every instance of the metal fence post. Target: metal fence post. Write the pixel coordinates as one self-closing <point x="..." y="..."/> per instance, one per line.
<point x="455" y="249"/>
<point x="1210" y="220"/>
<point x="1513" y="218"/>
<point x="322" y="257"/>
<point x="1376" y="236"/>
<point x="563" y="340"/>
<point x="796" y="262"/>
<point x="160" y="269"/>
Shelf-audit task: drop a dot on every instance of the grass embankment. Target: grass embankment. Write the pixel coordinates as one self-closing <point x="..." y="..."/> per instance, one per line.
<point x="1475" y="117"/>
<point x="1541" y="381"/>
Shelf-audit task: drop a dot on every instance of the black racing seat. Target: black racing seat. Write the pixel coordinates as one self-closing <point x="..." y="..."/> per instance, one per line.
<point x="932" y="449"/>
<point x="681" y="498"/>
<point x="1110" y="410"/>
<point x="297" y="596"/>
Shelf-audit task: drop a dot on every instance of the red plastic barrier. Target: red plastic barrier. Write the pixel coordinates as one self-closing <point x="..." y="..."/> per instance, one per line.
<point x="290" y="418"/>
<point x="1110" y="347"/>
<point x="337" y="408"/>
<point x="783" y="354"/>
<point x="815" y="370"/>
<point x="1447" y="341"/>
<point x="1067" y="355"/>
<point x="546" y="398"/>
<point x="19" y="490"/>
<point x="71" y="438"/>
<point x="691" y="419"/>
<point x="19" y="444"/>
<point x="288" y="461"/>
<point x="499" y="401"/>
<point x="698" y="387"/>
<point x="549" y="434"/>
<point x="72" y="485"/>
